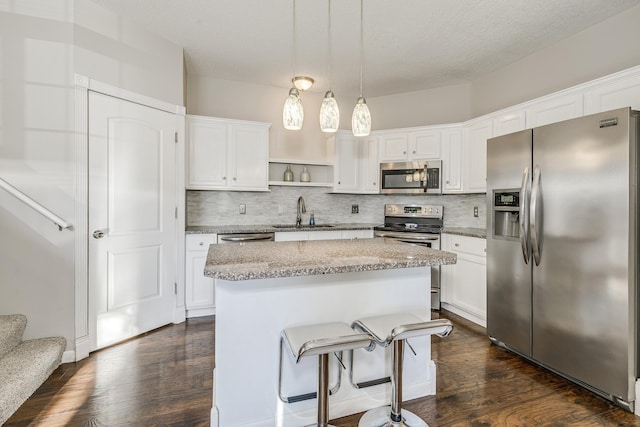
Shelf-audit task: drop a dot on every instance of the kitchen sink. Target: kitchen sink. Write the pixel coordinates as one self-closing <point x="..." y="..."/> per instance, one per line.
<point x="303" y="226"/>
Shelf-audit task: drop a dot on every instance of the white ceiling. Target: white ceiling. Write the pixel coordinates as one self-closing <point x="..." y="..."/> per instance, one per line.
<point x="408" y="44"/>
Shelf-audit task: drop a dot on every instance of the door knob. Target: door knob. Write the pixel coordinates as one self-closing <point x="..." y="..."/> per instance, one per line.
<point x="98" y="234"/>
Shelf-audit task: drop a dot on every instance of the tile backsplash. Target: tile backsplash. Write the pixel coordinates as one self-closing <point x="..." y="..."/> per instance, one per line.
<point x="279" y="207"/>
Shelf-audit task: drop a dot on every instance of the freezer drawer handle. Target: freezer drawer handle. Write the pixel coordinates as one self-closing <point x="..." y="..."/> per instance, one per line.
<point x="525" y="189"/>
<point x="535" y="218"/>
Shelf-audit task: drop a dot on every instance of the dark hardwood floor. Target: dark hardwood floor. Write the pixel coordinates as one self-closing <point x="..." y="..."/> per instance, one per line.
<point x="163" y="378"/>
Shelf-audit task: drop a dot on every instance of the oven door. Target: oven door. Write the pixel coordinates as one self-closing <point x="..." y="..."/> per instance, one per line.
<point x="423" y="239"/>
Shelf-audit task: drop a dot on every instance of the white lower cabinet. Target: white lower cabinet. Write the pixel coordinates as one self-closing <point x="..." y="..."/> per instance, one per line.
<point x="200" y="291"/>
<point x="464" y="284"/>
<point x="296" y="236"/>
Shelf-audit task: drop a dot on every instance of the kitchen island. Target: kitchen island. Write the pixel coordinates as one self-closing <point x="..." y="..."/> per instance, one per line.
<point x="263" y="287"/>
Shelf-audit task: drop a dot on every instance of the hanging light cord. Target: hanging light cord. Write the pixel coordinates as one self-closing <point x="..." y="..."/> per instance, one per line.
<point x="361" y="46"/>
<point x="293" y="37"/>
<point x="329" y="43"/>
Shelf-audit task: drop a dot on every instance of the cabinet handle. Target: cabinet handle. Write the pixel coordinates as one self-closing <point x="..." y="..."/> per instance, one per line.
<point x="374" y="183"/>
<point x="447" y="182"/>
<point x="456" y="244"/>
<point x="338" y="182"/>
<point x="404" y="152"/>
<point x="224" y="177"/>
<point x="234" y="178"/>
<point x="414" y="151"/>
<point x="201" y="243"/>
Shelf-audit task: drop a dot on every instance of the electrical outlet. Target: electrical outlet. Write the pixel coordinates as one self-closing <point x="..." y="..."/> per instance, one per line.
<point x="354" y="209"/>
<point x="243" y="209"/>
<point x="475" y="211"/>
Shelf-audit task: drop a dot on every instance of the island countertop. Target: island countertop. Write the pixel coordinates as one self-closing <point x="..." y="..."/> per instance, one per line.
<point x="264" y="260"/>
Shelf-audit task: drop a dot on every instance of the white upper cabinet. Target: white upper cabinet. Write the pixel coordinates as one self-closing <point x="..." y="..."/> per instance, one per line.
<point x="554" y="109"/>
<point x="394" y="147"/>
<point x="424" y="145"/>
<point x="410" y="145"/>
<point x="227" y="154"/>
<point x="510" y="122"/>
<point x="370" y="165"/>
<point x="346" y="171"/>
<point x="356" y="164"/>
<point x="613" y="94"/>
<point x="452" y="160"/>
<point x="474" y="176"/>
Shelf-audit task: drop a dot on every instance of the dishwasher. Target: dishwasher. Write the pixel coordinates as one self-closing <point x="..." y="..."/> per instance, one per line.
<point x="245" y="237"/>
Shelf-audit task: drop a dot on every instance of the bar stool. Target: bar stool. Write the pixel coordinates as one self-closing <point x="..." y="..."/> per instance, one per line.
<point x="320" y="340"/>
<point x="396" y="328"/>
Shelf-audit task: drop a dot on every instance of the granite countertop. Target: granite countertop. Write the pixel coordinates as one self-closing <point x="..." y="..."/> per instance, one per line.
<point x="265" y="228"/>
<point x="466" y="231"/>
<point x="264" y="260"/>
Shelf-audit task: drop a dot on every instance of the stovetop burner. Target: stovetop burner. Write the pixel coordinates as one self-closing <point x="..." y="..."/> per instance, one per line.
<point x="412" y="219"/>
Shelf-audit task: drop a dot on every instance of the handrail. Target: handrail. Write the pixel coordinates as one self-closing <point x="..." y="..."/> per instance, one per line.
<point x="61" y="223"/>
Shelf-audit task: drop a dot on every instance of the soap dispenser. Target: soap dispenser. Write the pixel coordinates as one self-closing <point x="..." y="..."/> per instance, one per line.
<point x="312" y="220"/>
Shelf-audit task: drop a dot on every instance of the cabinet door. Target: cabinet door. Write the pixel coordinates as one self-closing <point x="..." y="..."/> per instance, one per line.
<point x="370" y="165"/>
<point x="555" y="109"/>
<point x="347" y="165"/>
<point x="469" y="287"/>
<point x="200" y="291"/>
<point x="325" y="235"/>
<point x="617" y="94"/>
<point x="207" y="154"/>
<point x="508" y="123"/>
<point x="249" y="157"/>
<point x="475" y="164"/>
<point x="393" y="147"/>
<point x="424" y="145"/>
<point x="452" y="161"/>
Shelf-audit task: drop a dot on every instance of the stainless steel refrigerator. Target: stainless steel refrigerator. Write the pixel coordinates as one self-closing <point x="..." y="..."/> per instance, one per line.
<point x="562" y="236"/>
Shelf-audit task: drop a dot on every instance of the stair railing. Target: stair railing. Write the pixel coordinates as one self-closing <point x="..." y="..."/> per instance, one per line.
<point x="61" y="223"/>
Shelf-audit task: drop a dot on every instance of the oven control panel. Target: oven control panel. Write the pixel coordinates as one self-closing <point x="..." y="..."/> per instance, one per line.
<point x="429" y="211"/>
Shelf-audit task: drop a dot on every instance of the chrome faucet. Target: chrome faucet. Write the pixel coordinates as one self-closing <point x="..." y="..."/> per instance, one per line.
<point x="301" y="209"/>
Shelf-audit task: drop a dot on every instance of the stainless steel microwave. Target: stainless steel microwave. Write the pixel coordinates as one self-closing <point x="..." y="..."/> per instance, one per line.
<point x="411" y="177"/>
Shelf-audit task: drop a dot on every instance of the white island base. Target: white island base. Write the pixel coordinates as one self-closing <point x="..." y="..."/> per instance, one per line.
<point x="251" y="314"/>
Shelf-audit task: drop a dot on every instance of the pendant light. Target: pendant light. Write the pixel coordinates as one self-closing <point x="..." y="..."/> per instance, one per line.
<point x="361" y="118"/>
<point x="293" y="113"/>
<point x="329" y="111"/>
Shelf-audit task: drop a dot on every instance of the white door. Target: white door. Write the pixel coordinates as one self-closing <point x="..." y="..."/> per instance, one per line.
<point x="132" y="224"/>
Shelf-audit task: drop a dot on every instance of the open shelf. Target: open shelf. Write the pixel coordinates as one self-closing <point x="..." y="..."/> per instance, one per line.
<point x="321" y="173"/>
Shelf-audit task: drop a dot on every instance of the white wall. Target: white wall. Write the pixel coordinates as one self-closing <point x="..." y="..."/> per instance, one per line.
<point x="234" y="100"/>
<point x="37" y="156"/>
<point x="451" y="104"/>
<point x="605" y="48"/>
<point x="38" y="59"/>
<point x="116" y="51"/>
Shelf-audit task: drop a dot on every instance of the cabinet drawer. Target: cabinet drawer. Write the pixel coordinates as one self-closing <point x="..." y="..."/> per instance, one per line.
<point x="468" y="245"/>
<point x="200" y="242"/>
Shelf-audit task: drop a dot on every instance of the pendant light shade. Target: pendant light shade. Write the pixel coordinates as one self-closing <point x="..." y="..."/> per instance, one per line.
<point x="361" y="118"/>
<point x="293" y="113"/>
<point x="329" y="113"/>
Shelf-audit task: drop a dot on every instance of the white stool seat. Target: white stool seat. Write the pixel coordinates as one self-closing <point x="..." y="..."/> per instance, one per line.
<point x="396" y="328"/>
<point x="313" y="340"/>
<point x="399" y="326"/>
<point x="320" y="340"/>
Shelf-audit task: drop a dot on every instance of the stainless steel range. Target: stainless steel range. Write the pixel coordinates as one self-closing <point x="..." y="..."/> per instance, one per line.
<point x="417" y="225"/>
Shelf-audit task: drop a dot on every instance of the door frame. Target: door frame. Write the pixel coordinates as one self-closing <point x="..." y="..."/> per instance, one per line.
<point x="82" y="86"/>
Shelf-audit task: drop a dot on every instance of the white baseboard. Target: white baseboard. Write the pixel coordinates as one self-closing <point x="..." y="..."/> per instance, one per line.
<point x="68" y="356"/>
<point x="179" y="315"/>
<point x="83" y="347"/>
<point x="463" y="313"/>
<point x="200" y="312"/>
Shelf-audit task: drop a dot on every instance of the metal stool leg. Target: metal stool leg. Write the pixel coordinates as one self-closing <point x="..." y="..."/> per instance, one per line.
<point x="394" y="415"/>
<point x="323" y="391"/>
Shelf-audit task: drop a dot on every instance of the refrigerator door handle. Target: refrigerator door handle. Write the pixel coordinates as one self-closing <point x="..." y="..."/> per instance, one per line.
<point x="535" y="221"/>
<point x="525" y="190"/>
